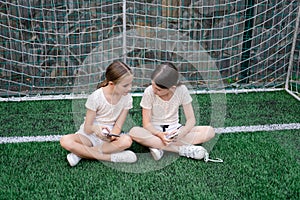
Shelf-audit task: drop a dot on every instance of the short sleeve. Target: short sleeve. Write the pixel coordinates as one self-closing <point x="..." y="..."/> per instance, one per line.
<point x="128" y="102"/>
<point x="147" y="98"/>
<point x="186" y="97"/>
<point x="92" y="103"/>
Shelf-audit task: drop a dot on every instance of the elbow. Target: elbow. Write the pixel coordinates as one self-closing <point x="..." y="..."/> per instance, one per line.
<point x="194" y="122"/>
<point x="146" y="125"/>
<point x="191" y="122"/>
<point x="87" y="129"/>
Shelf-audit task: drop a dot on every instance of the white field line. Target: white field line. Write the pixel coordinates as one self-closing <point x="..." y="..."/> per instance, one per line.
<point x="268" y="127"/>
<point x="234" y="129"/>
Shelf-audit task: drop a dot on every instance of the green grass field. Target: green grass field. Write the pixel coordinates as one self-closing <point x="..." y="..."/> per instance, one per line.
<point x="257" y="165"/>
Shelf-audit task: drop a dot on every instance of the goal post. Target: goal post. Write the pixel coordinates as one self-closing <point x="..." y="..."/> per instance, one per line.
<point x="60" y="49"/>
<point x="292" y="85"/>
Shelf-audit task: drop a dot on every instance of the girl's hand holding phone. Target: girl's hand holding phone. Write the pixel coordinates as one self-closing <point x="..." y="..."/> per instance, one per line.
<point x="101" y="132"/>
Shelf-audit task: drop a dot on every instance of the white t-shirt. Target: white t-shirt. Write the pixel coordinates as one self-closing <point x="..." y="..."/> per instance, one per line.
<point x="165" y="112"/>
<point x="106" y="113"/>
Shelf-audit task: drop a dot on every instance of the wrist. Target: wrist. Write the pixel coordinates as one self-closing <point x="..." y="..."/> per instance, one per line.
<point x="156" y="133"/>
<point x="93" y="128"/>
<point x="181" y="130"/>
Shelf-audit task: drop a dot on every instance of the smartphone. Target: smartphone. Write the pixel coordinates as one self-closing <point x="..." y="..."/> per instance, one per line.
<point x="111" y="134"/>
<point x="172" y="136"/>
<point x="108" y="134"/>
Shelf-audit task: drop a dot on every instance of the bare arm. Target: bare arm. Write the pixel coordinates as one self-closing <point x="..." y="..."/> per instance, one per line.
<point x="120" y="121"/>
<point x="190" y="119"/>
<point x="90" y="117"/>
<point x="148" y="126"/>
<point x="147" y="121"/>
<point x="90" y="127"/>
<point x="89" y="121"/>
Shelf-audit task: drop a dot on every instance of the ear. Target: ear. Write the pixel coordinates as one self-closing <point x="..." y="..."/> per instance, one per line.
<point x="110" y="83"/>
<point x="173" y="88"/>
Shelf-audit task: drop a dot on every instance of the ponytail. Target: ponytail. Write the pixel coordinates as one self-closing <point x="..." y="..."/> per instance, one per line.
<point x="102" y="84"/>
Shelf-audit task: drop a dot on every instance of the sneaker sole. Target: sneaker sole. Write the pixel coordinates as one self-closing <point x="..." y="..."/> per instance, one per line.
<point x="154" y="155"/>
<point x="70" y="161"/>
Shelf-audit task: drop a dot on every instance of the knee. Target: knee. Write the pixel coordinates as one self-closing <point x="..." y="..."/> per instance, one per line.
<point x="134" y="131"/>
<point x="210" y="132"/>
<point x="66" y="142"/>
<point x="125" y="142"/>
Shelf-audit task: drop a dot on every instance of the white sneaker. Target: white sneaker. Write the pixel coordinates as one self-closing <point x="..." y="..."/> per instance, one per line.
<point x="73" y="159"/>
<point x="191" y="151"/>
<point x="157" y="154"/>
<point x="124" y="157"/>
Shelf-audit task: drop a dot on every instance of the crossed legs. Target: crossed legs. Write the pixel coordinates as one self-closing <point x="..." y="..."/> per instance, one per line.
<point x="82" y="146"/>
<point x="198" y="135"/>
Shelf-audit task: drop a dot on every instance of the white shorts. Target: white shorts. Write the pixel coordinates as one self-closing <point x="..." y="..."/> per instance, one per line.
<point x="96" y="141"/>
<point x="170" y="127"/>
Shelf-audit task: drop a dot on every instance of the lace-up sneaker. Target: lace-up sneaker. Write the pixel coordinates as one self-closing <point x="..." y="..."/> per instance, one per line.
<point x="124" y="157"/>
<point x="157" y="154"/>
<point x="190" y="151"/>
<point x="73" y="159"/>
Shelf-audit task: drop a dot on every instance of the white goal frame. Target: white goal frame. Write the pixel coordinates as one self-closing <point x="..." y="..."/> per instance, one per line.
<point x="294" y="91"/>
<point x="142" y="34"/>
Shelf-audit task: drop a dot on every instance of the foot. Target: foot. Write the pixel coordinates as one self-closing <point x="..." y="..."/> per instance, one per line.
<point x="191" y="151"/>
<point x="73" y="159"/>
<point x="157" y="154"/>
<point x="124" y="157"/>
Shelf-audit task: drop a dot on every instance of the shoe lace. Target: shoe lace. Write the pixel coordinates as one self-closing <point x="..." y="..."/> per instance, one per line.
<point x="206" y="159"/>
<point x="193" y="151"/>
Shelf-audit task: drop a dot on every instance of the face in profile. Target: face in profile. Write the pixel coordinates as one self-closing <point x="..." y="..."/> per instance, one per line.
<point x="124" y="86"/>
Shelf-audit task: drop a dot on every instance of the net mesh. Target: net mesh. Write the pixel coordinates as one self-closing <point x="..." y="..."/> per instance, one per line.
<point x="52" y="47"/>
<point x="293" y="79"/>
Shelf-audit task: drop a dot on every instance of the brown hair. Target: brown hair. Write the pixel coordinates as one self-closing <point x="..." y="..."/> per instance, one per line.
<point x="165" y="75"/>
<point x="115" y="72"/>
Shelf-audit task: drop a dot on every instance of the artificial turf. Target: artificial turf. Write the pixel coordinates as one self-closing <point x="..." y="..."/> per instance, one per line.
<point x="259" y="165"/>
<point x="59" y="117"/>
<point x="256" y="166"/>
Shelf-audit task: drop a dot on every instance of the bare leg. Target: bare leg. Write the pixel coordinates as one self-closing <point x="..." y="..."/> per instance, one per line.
<point x="81" y="146"/>
<point x="145" y="138"/>
<point x="121" y="143"/>
<point x="198" y="134"/>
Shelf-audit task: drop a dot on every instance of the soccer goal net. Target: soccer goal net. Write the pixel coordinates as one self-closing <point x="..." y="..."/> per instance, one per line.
<point x="293" y="75"/>
<point x="60" y="49"/>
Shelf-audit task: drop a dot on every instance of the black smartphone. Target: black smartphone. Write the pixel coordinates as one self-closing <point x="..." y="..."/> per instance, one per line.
<point x="108" y="134"/>
<point x="111" y="134"/>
